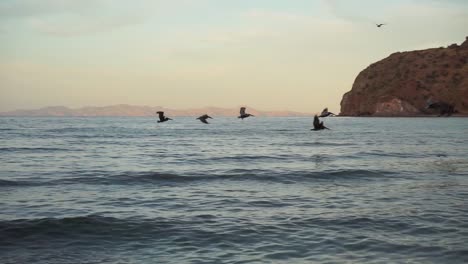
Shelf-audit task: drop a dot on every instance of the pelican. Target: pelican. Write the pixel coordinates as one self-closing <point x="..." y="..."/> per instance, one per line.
<point x="203" y="118"/>
<point x="325" y="113"/>
<point x="243" y="114"/>
<point x="443" y="107"/>
<point x="318" y="125"/>
<point x="162" y="118"/>
<point x="379" y="25"/>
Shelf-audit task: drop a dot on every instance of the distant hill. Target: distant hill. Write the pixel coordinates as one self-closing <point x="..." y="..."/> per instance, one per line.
<point x="403" y="83"/>
<point x="133" y="110"/>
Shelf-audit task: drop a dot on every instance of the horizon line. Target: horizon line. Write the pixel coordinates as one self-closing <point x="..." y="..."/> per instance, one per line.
<point x="144" y="110"/>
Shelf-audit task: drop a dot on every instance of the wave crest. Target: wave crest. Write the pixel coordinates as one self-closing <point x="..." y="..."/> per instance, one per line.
<point x="130" y="178"/>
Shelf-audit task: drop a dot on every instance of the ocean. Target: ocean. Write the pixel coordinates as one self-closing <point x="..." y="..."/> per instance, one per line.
<point x="261" y="190"/>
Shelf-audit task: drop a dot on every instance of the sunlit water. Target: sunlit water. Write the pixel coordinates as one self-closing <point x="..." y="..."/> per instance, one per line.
<point x="262" y="190"/>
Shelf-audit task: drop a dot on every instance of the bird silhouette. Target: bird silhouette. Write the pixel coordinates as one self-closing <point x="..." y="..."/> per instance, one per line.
<point x="162" y="118"/>
<point x="318" y="125"/>
<point x="243" y="114"/>
<point x="379" y="25"/>
<point x="203" y="118"/>
<point x="325" y="113"/>
<point x="443" y="107"/>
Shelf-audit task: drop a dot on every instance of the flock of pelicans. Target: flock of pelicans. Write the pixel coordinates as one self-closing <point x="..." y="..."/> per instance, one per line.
<point x="318" y="125"/>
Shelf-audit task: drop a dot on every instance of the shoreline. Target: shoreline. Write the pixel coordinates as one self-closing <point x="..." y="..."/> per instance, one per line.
<point x="408" y="116"/>
<point x="311" y="116"/>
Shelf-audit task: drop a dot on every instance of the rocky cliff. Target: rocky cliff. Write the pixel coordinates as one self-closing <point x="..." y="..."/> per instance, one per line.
<point x="403" y="83"/>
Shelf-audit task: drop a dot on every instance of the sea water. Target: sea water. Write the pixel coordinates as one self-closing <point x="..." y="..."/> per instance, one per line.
<point x="261" y="190"/>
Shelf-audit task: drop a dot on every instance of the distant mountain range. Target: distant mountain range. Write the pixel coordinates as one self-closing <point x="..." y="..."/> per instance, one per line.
<point x="133" y="110"/>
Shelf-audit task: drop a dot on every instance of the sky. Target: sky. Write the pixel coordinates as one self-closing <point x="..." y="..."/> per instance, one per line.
<point x="299" y="55"/>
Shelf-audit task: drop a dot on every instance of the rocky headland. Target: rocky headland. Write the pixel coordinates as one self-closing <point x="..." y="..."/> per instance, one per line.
<point x="404" y="83"/>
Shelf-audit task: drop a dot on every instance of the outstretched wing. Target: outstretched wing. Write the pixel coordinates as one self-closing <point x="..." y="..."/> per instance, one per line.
<point x="324" y="112"/>
<point x="429" y="103"/>
<point x="242" y="111"/>
<point x="161" y="115"/>
<point x="316" y="122"/>
<point x="203" y="118"/>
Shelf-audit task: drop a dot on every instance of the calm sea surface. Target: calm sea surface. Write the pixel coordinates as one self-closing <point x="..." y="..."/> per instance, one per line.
<point x="262" y="190"/>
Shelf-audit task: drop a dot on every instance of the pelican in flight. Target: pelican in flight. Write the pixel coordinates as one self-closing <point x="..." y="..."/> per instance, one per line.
<point x="243" y="114"/>
<point x="379" y="25"/>
<point x="203" y="118"/>
<point x="318" y="125"/>
<point x="325" y="113"/>
<point x="162" y="118"/>
<point x="443" y="107"/>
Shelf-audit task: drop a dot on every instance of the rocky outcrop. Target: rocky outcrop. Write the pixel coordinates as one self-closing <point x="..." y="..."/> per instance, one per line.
<point x="403" y="83"/>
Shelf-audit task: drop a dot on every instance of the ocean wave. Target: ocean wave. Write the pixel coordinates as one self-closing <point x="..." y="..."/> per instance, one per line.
<point x="33" y="149"/>
<point x="9" y="183"/>
<point x="103" y="226"/>
<point x="318" y="144"/>
<point x="255" y="157"/>
<point x="96" y="227"/>
<point x="25" y="229"/>
<point x="73" y="129"/>
<point x="301" y="176"/>
<point x="346" y="231"/>
<point x="130" y="178"/>
<point x="382" y="153"/>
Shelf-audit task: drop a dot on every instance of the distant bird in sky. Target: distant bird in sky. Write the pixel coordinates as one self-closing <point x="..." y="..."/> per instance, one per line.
<point x="162" y="118"/>
<point x="243" y="114"/>
<point x="203" y="118"/>
<point x="318" y="125"/>
<point x="325" y="113"/>
<point x="379" y="25"/>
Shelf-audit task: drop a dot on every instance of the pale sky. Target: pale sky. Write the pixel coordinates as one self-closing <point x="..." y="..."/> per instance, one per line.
<point x="297" y="55"/>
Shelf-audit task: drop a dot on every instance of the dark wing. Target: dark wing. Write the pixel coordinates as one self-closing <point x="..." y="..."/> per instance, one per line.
<point x="161" y="115"/>
<point x="429" y="103"/>
<point x="316" y="122"/>
<point x="242" y="111"/>
<point x="203" y="118"/>
<point x="434" y="105"/>
<point x="324" y="112"/>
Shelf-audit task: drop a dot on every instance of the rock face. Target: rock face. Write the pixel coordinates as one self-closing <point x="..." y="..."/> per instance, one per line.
<point x="403" y="83"/>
